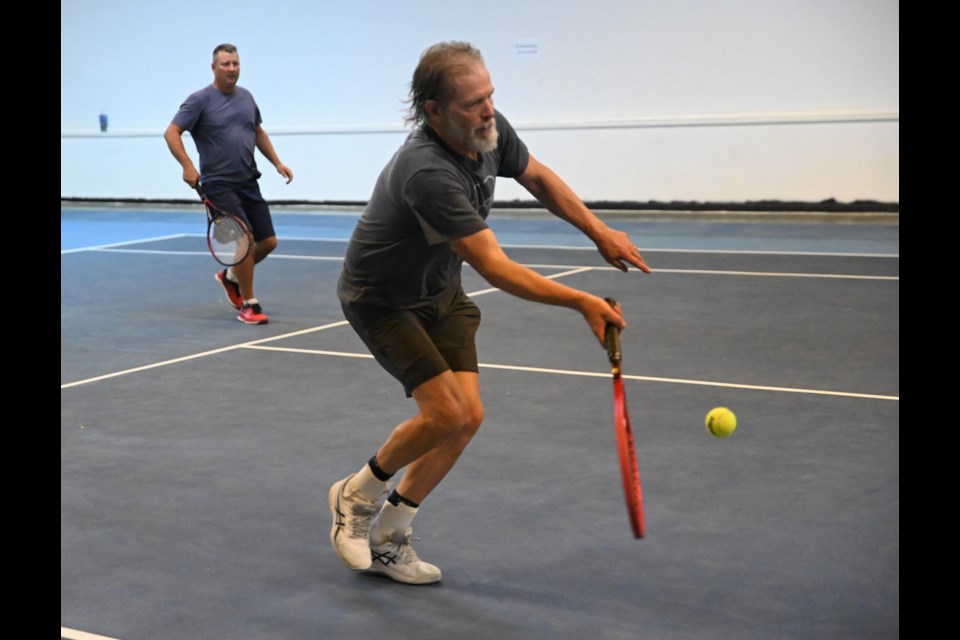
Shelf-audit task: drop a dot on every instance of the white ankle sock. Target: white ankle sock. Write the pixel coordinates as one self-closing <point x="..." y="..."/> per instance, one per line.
<point x="391" y="518"/>
<point x="367" y="484"/>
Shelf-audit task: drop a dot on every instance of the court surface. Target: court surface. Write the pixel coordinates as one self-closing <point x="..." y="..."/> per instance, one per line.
<point x="196" y="452"/>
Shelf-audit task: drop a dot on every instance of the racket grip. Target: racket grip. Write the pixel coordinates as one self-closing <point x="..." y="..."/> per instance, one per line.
<point x="199" y="188"/>
<point x="611" y="337"/>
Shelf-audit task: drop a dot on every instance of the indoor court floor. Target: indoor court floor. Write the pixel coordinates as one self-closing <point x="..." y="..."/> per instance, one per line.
<point x="196" y="452"/>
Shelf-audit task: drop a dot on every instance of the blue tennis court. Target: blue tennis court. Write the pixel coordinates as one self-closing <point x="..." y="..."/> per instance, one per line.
<point x="196" y="452"/>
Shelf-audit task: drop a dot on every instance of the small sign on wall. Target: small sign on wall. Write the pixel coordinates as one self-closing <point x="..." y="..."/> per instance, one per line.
<point x="526" y="49"/>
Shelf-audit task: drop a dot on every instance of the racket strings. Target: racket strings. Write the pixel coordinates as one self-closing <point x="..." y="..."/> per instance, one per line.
<point x="228" y="237"/>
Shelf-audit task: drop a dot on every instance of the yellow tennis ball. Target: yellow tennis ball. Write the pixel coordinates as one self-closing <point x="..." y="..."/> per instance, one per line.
<point x="721" y="422"/>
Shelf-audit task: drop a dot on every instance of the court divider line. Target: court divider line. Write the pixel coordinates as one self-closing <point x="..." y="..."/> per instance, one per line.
<point x="557" y="247"/>
<point x="202" y="354"/>
<point x="254" y="343"/>
<point x="574" y="271"/>
<point x="606" y="374"/>
<point x="718" y="272"/>
<point x="751" y="252"/>
<point x="106" y="247"/>
<point x="74" y="634"/>
<point x="168" y="252"/>
<point x="772" y="274"/>
<point x="776" y="274"/>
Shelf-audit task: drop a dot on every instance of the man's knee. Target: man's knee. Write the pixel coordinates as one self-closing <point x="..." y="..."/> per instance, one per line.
<point x="474" y="419"/>
<point x="451" y="414"/>
<point x="267" y="244"/>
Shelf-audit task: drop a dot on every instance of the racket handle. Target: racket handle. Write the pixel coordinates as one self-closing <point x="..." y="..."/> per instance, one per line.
<point x="612" y="337"/>
<point x="199" y="187"/>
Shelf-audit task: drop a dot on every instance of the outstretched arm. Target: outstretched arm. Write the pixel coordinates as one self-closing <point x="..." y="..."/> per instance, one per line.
<point x="174" y="137"/>
<point x="547" y="187"/>
<point x="483" y="252"/>
<point x="266" y="148"/>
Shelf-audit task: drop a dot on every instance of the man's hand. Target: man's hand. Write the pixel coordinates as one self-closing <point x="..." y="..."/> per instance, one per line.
<point x="617" y="249"/>
<point x="598" y="313"/>
<point x="547" y="187"/>
<point x="285" y="171"/>
<point x="191" y="176"/>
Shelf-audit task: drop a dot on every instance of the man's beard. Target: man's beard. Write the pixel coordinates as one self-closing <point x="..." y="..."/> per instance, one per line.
<point x="469" y="139"/>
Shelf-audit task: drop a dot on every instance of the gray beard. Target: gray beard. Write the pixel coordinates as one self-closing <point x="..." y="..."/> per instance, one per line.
<point x="488" y="144"/>
<point x="471" y="141"/>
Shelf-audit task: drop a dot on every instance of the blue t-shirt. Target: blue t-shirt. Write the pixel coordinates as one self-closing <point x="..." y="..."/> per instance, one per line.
<point x="223" y="126"/>
<point x="427" y="195"/>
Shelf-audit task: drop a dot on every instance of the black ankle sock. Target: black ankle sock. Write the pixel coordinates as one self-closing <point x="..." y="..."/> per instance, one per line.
<point x="395" y="499"/>
<point x="380" y="474"/>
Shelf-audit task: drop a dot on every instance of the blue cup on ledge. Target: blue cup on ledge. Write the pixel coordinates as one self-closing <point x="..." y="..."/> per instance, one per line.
<point x="103" y="122"/>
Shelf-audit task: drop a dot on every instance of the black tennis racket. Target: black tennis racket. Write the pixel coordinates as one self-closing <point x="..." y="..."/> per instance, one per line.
<point x="227" y="235"/>
<point x="629" y="470"/>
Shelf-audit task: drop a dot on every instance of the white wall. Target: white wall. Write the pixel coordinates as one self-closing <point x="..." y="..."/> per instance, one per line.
<point x="707" y="100"/>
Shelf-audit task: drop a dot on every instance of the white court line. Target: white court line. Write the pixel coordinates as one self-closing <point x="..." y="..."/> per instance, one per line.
<point x="110" y="248"/>
<point x="273" y="256"/>
<point x="194" y="356"/>
<point x="156" y="252"/>
<point x="73" y="634"/>
<point x="312" y="352"/>
<point x="712" y="272"/>
<point x="573" y="269"/>
<point x="776" y="274"/>
<point x="594" y="374"/>
<point x="550" y="277"/>
<point x="558" y="247"/>
<point x="284" y="336"/>
<point x="570" y="271"/>
<point x="829" y="254"/>
<point x="253" y="343"/>
<point x="104" y="247"/>
<point x="313" y="239"/>
<point x="563" y="247"/>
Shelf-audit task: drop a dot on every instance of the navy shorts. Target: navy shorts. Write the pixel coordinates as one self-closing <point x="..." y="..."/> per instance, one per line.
<point x="416" y="345"/>
<point x="244" y="201"/>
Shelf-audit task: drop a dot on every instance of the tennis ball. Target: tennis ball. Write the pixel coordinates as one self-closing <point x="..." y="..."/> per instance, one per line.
<point x="721" y="422"/>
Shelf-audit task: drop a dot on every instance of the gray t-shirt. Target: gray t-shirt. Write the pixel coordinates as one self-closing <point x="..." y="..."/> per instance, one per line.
<point x="223" y="126"/>
<point x="426" y="195"/>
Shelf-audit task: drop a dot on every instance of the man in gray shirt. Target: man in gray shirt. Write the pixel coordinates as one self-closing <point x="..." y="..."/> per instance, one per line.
<point x="224" y="121"/>
<point x="400" y="290"/>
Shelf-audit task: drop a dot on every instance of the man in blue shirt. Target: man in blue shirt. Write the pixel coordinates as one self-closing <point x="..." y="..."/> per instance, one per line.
<point x="225" y="124"/>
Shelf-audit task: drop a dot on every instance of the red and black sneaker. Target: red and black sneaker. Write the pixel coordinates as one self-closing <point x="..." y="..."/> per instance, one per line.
<point x="231" y="288"/>
<point x="252" y="314"/>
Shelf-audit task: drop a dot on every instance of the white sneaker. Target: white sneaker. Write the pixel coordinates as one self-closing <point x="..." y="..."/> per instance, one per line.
<point x="396" y="558"/>
<point x="349" y="535"/>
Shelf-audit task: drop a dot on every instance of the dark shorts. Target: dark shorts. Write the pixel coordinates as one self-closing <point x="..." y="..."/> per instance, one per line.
<point x="416" y="345"/>
<point x="244" y="201"/>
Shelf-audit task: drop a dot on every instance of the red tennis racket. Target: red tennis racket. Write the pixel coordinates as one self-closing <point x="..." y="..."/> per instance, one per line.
<point x="629" y="471"/>
<point x="227" y="236"/>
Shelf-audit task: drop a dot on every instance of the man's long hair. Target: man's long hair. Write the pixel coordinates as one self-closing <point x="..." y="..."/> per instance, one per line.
<point x="431" y="79"/>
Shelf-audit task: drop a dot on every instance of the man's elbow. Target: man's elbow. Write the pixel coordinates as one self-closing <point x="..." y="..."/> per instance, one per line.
<point x="171" y="133"/>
